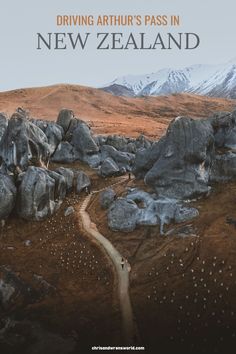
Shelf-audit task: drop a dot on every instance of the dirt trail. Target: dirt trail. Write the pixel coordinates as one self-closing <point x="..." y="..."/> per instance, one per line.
<point x="122" y="275"/>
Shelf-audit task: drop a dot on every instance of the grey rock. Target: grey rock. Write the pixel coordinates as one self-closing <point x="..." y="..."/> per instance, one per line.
<point x="183" y="161"/>
<point x="154" y="210"/>
<point x="3" y="124"/>
<point x="118" y="142"/>
<point x="54" y="133"/>
<point x="142" y="142"/>
<point x="83" y="181"/>
<point x="6" y="292"/>
<point x="7" y="195"/>
<point x="109" y="168"/>
<point x="224" y="125"/>
<point x="23" y="143"/>
<point x="40" y="194"/>
<point x="83" y="141"/>
<point x="68" y="174"/>
<point x="65" y="153"/>
<point x="183" y="214"/>
<point x="64" y="118"/>
<point x="223" y="168"/>
<point x="123" y="215"/>
<point x="107" y="197"/>
<point x="123" y="159"/>
<point x="93" y="160"/>
<point x="42" y="124"/>
<point x="70" y="210"/>
<point x="146" y="157"/>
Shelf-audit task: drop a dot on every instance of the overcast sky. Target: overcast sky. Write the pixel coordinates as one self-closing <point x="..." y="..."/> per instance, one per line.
<point x="24" y="66"/>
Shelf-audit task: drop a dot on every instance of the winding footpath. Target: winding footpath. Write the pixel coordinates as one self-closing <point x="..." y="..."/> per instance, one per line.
<point x="128" y="326"/>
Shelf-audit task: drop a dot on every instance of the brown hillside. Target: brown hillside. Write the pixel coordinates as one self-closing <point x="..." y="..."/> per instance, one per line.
<point x="109" y="114"/>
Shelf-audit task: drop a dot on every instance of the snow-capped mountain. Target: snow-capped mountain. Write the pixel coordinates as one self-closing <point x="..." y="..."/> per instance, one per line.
<point x="209" y="80"/>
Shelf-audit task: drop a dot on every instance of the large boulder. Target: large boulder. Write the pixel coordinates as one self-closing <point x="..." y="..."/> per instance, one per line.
<point x="118" y="142"/>
<point x="109" y="168"/>
<point x="40" y="194"/>
<point x="122" y="159"/>
<point x="82" y="180"/>
<point x="224" y="125"/>
<point x="23" y="143"/>
<point x="3" y="124"/>
<point x="7" y="195"/>
<point x="68" y="174"/>
<point x="159" y="211"/>
<point x="123" y="215"/>
<point x="146" y="157"/>
<point x="223" y="168"/>
<point x="54" y="134"/>
<point x="107" y="197"/>
<point x="83" y="141"/>
<point x="64" y="119"/>
<point x="183" y="160"/>
<point x="65" y="153"/>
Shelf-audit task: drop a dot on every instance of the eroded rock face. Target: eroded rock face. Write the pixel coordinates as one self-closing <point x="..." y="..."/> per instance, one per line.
<point x="182" y="160"/>
<point x="3" y="124"/>
<point x="155" y="210"/>
<point x="54" y="134"/>
<point x="83" y="141"/>
<point x="122" y="159"/>
<point x="64" y="118"/>
<point x="40" y="194"/>
<point x="109" y="168"/>
<point x="83" y="181"/>
<point x="7" y="195"/>
<point x="68" y="174"/>
<point x="123" y="215"/>
<point x="107" y="197"/>
<point x="65" y="153"/>
<point x="23" y="143"/>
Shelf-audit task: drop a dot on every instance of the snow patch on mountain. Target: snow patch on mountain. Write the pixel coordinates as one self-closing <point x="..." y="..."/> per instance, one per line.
<point x="213" y="80"/>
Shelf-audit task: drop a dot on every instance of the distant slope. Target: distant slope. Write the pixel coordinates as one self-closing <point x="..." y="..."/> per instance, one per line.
<point x="110" y="114"/>
<point x="208" y="80"/>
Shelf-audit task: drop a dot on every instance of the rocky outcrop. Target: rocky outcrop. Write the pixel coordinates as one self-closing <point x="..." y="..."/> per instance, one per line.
<point x="82" y="181"/>
<point x="3" y="124"/>
<point x="64" y="119"/>
<point x="181" y="161"/>
<point x="124" y="144"/>
<point x="109" y="168"/>
<point x="147" y="209"/>
<point x="83" y="141"/>
<point x="7" y="195"/>
<point x="40" y="194"/>
<point x="123" y="160"/>
<point x="123" y="215"/>
<point x="68" y="174"/>
<point x="23" y="143"/>
<point x="107" y="197"/>
<point x="54" y="134"/>
<point x="65" y="153"/>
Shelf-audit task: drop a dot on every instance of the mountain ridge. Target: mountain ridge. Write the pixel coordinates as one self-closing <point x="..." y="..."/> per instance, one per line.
<point x="207" y="80"/>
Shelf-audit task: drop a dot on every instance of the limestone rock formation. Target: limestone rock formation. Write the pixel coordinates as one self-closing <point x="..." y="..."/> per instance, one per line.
<point x="3" y="124"/>
<point x="109" y="168"/>
<point x="7" y="195"/>
<point x="68" y="174"/>
<point x="64" y="118"/>
<point x="180" y="162"/>
<point x="123" y="215"/>
<point x="65" y="153"/>
<point x="107" y="197"/>
<point x="40" y="193"/>
<point x="23" y="143"/>
<point x="82" y="180"/>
